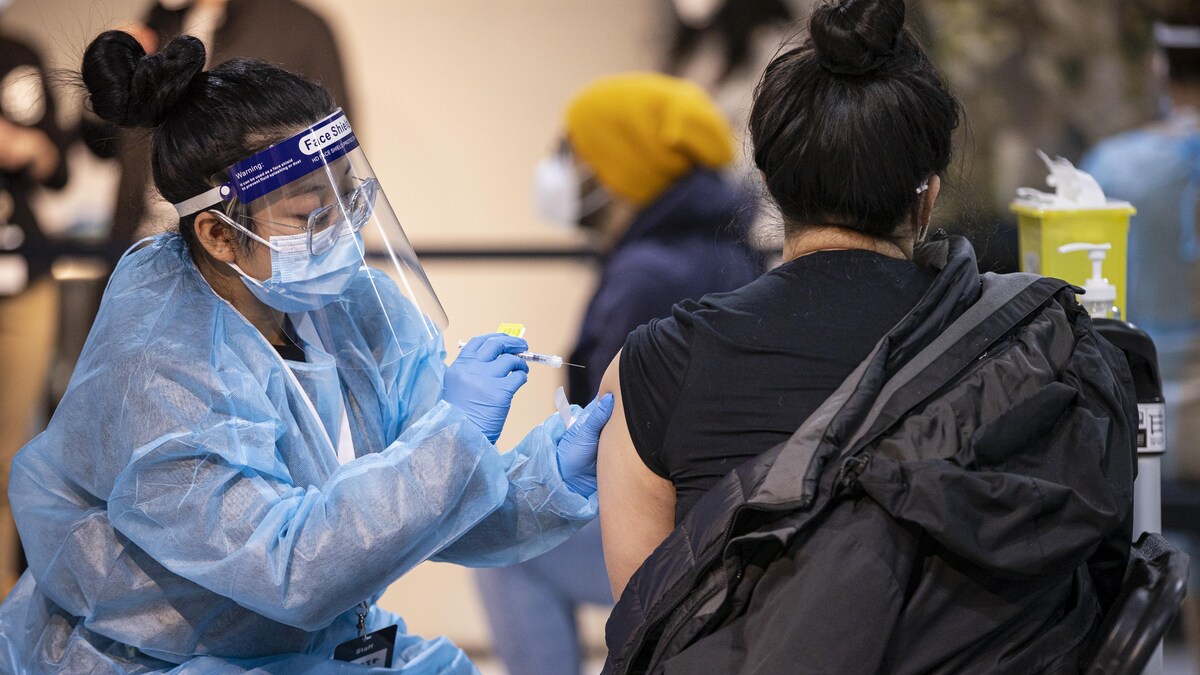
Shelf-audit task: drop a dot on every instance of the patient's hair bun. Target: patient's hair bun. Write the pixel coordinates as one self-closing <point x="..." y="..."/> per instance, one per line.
<point x="131" y="89"/>
<point x="856" y="37"/>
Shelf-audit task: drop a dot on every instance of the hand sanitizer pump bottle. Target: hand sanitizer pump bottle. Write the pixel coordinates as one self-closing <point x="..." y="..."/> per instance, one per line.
<point x="1099" y="298"/>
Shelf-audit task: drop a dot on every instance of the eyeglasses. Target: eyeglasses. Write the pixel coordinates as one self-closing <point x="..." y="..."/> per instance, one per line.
<point x="325" y="225"/>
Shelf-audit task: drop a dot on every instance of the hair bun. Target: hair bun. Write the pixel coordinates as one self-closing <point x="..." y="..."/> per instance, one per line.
<point x="129" y="88"/>
<point x="855" y="37"/>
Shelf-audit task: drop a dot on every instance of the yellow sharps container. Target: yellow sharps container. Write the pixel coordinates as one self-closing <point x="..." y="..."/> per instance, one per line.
<point x="1042" y="229"/>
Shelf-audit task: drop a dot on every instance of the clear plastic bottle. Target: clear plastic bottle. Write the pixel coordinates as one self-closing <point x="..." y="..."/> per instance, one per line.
<point x="1101" y="308"/>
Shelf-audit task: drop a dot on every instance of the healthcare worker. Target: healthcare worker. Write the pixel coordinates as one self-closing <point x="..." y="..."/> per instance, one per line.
<point x="261" y="435"/>
<point x="1157" y="169"/>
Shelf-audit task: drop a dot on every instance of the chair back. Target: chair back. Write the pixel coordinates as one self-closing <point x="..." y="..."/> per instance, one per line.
<point x="1153" y="590"/>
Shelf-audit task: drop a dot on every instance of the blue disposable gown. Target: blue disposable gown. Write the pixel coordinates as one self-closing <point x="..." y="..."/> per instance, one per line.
<point x="185" y="510"/>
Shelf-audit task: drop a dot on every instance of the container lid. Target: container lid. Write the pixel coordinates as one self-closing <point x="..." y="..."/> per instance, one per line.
<point x="1027" y="207"/>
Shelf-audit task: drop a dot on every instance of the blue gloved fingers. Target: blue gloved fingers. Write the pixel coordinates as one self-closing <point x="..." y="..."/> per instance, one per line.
<point x="577" y="449"/>
<point x="503" y="365"/>
<point x="591" y="421"/>
<point x="473" y="344"/>
<point x="482" y="380"/>
<point x="499" y="343"/>
<point x="515" y="380"/>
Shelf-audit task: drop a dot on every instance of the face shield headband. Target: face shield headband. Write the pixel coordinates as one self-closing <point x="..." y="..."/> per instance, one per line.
<point x="264" y="172"/>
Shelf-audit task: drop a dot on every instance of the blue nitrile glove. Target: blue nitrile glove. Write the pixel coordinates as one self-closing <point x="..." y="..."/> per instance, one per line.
<point x="577" y="449"/>
<point x="482" y="380"/>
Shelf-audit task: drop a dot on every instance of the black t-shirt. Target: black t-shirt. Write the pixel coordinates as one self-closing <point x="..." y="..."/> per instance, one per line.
<point x="291" y="350"/>
<point x="733" y="375"/>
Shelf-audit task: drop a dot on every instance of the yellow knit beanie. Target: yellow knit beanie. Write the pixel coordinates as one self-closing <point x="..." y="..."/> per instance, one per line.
<point x="640" y="132"/>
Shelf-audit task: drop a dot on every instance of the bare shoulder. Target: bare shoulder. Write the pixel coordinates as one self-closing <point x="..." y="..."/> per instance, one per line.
<point x="637" y="506"/>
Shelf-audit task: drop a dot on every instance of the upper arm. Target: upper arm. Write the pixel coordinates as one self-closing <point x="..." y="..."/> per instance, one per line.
<point x="637" y="507"/>
<point x="215" y="502"/>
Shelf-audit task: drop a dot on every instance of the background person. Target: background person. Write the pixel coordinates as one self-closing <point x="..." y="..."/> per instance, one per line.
<point x="31" y="156"/>
<point x="1157" y="169"/>
<point x="283" y="32"/>
<point x="639" y="169"/>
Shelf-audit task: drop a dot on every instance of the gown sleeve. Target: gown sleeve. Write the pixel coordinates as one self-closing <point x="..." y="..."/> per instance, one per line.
<point x="538" y="511"/>
<point x="208" y="504"/>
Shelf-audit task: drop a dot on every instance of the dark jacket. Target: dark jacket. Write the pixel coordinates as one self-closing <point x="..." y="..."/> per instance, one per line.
<point x="961" y="504"/>
<point x="689" y="242"/>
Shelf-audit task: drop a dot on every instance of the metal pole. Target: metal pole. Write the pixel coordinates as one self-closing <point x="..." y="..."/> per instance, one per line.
<point x="1147" y="489"/>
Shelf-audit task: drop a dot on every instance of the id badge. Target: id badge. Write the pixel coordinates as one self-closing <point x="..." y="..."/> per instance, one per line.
<point x="374" y="649"/>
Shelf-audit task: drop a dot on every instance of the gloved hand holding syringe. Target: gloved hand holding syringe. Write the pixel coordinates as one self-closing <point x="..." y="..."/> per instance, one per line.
<point x="534" y="357"/>
<point x="560" y="397"/>
<point x="518" y="330"/>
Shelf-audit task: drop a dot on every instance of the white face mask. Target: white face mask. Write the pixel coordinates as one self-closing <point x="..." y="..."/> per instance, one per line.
<point x="300" y="281"/>
<point x="697" y="14"/>
<point x="556" y="192"/>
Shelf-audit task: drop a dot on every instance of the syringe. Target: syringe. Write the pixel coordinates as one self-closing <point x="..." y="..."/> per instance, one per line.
<point x="534" y="357"/>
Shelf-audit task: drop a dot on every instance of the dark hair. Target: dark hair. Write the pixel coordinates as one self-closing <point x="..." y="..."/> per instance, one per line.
<point x="1183" y="65"/>
<point x="203" y="121"/>
<point x="848" y="125"/>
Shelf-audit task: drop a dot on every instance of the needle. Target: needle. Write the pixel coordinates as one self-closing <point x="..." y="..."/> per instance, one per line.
<point x="534" y="357"/>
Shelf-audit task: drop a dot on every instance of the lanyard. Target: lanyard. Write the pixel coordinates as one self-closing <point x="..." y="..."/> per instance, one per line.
<point x="363" y="607"/>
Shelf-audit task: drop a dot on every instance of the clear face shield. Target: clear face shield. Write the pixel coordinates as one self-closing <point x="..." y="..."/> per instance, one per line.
<point x="343" y="275"/>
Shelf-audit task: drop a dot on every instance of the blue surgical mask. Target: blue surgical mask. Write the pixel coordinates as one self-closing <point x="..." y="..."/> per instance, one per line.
<point x="300" y="281"/>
